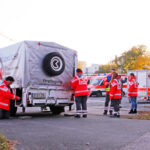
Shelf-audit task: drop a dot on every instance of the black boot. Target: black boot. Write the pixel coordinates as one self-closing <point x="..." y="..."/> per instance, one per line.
<point x="118" y="115"/>
<point x="131" y="111"/>
<point x="114" y="115"/>
<point x="105" y="112"/>
<point x="84" y="116"/>
<point x="111" y="112"/>
<point x="135" y="111"/>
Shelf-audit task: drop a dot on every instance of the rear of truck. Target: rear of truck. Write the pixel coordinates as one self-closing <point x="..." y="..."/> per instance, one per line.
<point x="43" y="72"/>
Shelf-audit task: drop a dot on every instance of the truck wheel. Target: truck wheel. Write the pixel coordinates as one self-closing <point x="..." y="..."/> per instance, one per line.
<point x="53" y="64"/>
<point x="13" y="111"/>
<point x="57" y="110"/>
<point x="98" y="94"/>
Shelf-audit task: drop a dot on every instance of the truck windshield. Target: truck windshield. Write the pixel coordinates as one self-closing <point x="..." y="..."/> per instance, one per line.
<point x="97" y="81"/>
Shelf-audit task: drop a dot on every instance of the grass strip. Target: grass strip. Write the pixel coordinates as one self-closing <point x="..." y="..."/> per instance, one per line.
<point x="142" y="115"/>
<point x="6" y="144"/>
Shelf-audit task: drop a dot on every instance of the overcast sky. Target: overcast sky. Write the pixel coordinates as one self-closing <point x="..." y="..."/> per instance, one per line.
<point x="97" y="29"/>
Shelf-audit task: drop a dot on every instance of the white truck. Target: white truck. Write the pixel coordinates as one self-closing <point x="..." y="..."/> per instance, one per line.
<point x="42" y="71"/>
<point x="143" y="79"/>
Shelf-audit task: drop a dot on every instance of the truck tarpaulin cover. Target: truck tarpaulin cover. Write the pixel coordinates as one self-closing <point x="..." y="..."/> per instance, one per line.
<point x="24" y="61"/>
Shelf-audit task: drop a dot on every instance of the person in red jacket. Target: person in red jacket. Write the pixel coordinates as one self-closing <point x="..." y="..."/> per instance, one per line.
<point x="107" y="89"/>
<point x="132" y="92"/>
<point x="115" y="93"/>
<point x="81" y="92"/>
<point x="5" y="97"/>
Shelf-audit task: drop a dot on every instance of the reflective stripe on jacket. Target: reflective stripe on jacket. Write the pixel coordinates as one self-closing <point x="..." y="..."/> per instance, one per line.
<point x="5" y="96"/>
<point x="133" y="88"/>
<point x="79" y="84"/>
<point x="115" y="89"/>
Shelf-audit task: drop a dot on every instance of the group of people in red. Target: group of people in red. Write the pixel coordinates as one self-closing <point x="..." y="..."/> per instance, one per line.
<point x="113" y="85"/>
<point x="79" y="84"/>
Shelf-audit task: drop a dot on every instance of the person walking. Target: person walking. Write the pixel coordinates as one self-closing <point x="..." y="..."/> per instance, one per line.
<point x="115" y="93"/>
<point x="79" y="84"/>
<point x="5" y="97"/>
<point x="132" y="93"/>
<point x="107" y="83"/>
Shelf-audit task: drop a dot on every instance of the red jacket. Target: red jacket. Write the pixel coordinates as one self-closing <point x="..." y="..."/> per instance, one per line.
<point x="5" y="95"/>
<point x="79" y="84"/>
<point x="133" y="87"/>
<point x="115" y="89"/>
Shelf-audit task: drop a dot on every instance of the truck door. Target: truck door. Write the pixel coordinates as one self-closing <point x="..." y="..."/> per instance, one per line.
<point x="142" y="88"/>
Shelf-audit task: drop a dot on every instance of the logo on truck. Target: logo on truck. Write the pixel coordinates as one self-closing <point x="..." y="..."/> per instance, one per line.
<point x="53" y="64"/>
<point x="56" y="63"/>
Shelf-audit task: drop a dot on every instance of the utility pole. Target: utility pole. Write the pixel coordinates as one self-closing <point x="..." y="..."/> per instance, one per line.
<point x="7" y="37"/>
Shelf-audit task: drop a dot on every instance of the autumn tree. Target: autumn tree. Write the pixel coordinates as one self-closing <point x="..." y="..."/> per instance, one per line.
<point x="136" y="58"/>
<point x="106" y="68"/>
<point x="82" y="65"/>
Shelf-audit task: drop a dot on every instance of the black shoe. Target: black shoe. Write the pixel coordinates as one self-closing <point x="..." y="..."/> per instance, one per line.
<point x="131" y="111"/>
<point x="114" y="116"/>
<point x="118" y="116"/>
<point x="135" y="111"/>
<point x="105" y="112"/>
<point x="77" y="116"/>
<point x="110" y="112"/>
<point x="84" y="116"/>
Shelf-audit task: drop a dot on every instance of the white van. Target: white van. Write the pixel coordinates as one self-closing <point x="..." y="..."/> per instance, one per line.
<point x="42" y="73"/>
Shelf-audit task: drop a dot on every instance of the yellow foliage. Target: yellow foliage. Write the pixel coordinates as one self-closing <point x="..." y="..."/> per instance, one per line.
<point x="135" y="50"/>
<point x="142" y="62"/>
<point x="81" y="65"/>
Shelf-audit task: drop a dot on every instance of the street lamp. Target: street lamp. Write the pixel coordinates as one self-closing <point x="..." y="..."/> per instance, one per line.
<point x="120" y="63"/>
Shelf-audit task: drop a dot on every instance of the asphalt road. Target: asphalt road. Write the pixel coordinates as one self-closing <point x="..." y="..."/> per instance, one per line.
<point x="47" y="132"/>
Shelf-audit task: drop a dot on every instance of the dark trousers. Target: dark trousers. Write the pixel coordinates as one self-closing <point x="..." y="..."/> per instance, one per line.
<point x="115" y="104"/>
<point x="107" y="101"/>
<point x="4" y="114"/>
<point x="81" y="105"/>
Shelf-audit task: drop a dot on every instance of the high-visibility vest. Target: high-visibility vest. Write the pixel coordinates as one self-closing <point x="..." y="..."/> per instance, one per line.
<point x="107" y="89"/>
<point x="107" y="84"/>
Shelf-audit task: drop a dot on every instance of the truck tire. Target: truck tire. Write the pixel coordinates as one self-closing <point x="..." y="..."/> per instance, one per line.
<point x="13" y="109"/>
<point x="56" y="110"/>
<point x="13" y="112"/>
<point x="53" y="64"/>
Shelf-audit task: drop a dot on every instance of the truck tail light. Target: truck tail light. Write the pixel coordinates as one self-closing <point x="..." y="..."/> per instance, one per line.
<point x="28" y="98"/>
<point x="72" y="97"/>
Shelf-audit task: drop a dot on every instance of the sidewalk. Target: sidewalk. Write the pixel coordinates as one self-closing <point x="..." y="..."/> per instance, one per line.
<point x="97" y="111"/>
<point x="139" y="144"/>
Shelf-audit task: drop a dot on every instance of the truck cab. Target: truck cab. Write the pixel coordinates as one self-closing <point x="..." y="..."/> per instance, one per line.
<point x="97" y="86"/>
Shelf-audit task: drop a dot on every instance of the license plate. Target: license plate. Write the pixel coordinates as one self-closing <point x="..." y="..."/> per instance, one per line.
<point x="39" y="95"/>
